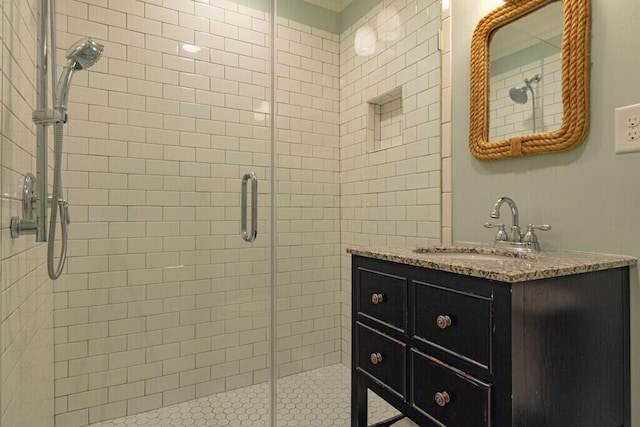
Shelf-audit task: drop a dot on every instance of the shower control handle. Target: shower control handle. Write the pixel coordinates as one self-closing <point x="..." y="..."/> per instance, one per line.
<point x="249" y="236"/>
<point x="21" y="226"/>
<point x="27" y="223"/>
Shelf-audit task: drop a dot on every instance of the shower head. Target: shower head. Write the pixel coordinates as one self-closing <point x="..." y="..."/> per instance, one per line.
<point x="518" y="94"/>
<point x="84" y="54"/>
<point x="80" y="56"/>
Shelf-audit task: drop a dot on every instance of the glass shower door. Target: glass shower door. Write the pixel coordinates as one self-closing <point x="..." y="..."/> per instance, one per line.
<point x="163" y="302"/>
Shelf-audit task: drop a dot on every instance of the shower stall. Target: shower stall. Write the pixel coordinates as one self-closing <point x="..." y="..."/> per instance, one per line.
<point x="183" y="294"/>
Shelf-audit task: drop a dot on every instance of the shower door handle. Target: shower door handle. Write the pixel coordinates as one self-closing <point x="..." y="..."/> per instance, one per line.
<point x="249" y="236"/>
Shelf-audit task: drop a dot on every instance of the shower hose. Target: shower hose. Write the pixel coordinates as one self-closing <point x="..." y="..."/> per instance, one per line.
<point x="61" y="206"/>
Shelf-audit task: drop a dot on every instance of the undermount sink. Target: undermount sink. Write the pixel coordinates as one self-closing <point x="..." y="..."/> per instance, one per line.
<point x="470" y="254"/>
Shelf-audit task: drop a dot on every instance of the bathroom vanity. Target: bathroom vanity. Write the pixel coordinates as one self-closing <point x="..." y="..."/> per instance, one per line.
<point x="473" y="337"/>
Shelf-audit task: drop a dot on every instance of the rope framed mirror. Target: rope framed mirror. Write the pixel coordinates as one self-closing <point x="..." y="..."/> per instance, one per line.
<point x="572" y="86"/>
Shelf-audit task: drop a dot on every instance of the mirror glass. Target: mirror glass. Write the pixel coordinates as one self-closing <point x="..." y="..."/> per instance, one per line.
<point x="525" y="80"/>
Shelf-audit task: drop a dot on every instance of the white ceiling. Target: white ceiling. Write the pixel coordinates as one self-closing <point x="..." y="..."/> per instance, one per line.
<point x="336" y="5"/>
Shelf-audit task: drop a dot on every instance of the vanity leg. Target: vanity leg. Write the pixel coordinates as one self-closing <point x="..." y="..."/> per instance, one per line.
<point x="358" y="402"/>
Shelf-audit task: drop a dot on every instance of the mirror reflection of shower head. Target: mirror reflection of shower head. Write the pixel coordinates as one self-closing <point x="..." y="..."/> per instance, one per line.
<point x="518" y="94"/>
<point x="80" y="56"/>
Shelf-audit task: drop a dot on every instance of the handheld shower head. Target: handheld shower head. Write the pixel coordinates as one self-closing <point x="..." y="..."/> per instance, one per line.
<point x="84" y="54"/>
<point x="80" y="56"/>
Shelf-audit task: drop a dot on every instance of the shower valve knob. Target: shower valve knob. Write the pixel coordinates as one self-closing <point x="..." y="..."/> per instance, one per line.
<point x="21" y="226"/>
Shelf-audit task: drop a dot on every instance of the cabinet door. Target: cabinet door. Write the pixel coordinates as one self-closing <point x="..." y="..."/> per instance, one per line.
<point x="448" y="395"/>
<point x="457" y="322"/>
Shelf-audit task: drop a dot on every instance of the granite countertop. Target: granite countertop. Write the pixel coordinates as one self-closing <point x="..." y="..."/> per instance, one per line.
<point x="497" y="264"/>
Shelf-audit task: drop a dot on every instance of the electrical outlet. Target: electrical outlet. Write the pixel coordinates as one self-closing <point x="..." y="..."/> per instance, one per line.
<point x="627" y="129"/>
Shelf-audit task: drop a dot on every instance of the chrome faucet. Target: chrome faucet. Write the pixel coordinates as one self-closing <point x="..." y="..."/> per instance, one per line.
<point x="516" y="236"/>
<point x="516" y="240"/>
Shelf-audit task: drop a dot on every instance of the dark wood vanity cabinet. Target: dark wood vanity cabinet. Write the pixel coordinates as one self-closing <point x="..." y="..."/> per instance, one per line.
<point x="452" y="350"/>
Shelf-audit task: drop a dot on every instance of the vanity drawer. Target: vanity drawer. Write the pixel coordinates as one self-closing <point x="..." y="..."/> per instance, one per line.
<point x="382" y="297"/>
<point x="381" y="357"/>
<point x="455" y="321"/>
<point x="450" y="396"/>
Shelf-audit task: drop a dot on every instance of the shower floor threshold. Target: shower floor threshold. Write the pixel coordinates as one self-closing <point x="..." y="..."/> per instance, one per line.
<point x="316" y="398"/>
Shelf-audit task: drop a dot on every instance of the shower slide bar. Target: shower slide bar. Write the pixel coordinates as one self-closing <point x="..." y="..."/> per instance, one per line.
<point x="35" y="199"/>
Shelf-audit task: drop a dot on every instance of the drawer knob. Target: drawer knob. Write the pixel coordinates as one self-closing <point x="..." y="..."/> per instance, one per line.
<point x="376" y="298"/>
<point x="376" y="358"/>
<point x="443" y="321"/>
<point x="442" y="398"/>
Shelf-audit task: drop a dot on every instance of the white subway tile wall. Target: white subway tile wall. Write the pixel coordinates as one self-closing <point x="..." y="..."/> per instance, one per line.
<point x="26" y="293"/>
<point x="162" y="301"/>
<point x="308" y="197"/>
<point x="390" y="196"/>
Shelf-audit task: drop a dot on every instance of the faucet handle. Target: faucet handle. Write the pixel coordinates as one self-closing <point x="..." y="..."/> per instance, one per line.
<point x="543" y="227"/>
<point x="530" y="236"/>
<point x="490" y="225"/>
<point x="502" y="235"/>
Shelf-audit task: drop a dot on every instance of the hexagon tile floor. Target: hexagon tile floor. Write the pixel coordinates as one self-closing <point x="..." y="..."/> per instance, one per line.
<point x="316" y="398"/>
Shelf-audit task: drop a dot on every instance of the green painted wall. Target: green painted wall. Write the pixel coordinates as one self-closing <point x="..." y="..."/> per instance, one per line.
<point x="325" y="19"/>
<point x="316" y="16"/>
<point x="262" y="5"/>
<point x="590" y="195"/>
<point x="354" y="11"/>
<point x="309" y="14"/>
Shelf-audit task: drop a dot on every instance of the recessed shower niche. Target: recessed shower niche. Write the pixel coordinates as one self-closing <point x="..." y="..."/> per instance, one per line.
<point x="384" y="121"/>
